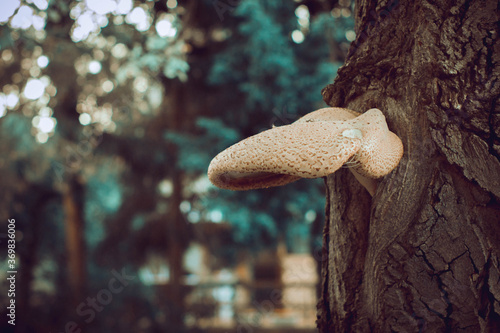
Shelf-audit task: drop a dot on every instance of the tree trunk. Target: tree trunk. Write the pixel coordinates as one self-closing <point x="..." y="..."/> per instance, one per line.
<point x="423" y="253"/>
<point x="75" y="239"/>
<point x="175" y="224"/>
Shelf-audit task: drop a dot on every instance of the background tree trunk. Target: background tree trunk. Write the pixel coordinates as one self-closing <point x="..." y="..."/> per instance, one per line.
<point x="423" y="253"/>
<point x="75" y="239"/>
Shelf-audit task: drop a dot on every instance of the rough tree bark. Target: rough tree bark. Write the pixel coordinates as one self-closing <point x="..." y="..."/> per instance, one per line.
<point x="423" y="253"/>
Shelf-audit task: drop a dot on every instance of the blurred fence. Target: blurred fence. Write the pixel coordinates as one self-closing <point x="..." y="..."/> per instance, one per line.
<point x="252" y="307"/>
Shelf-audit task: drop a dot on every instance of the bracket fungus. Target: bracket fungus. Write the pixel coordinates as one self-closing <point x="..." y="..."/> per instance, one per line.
<point x="316" y="145"/>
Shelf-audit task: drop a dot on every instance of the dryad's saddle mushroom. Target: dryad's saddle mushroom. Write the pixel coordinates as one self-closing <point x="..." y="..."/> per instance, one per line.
<point x="314" y="146"/>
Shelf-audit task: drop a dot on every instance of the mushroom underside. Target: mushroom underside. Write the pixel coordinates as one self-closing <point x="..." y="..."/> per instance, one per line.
<point x="241" y="181"/>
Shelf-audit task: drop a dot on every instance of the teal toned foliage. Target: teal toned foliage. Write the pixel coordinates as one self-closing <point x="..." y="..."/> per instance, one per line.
<point x="118" y="127"/>
<point x="196" y="151"/>
<point x="270" y="80"/>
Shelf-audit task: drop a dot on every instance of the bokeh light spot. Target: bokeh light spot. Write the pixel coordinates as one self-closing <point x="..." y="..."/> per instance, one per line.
<point x="119" y="51"/>
<point x="34" y="89"/>
<point x="101" y="7"/>
<point x="302" y="12"/>
<point x="95" y="67"/>
<point x="23" y="19"/>
<point x="350" y="35"/>
<point x="297" y="36"/>
<point x="108" y="86"/>
<point x="11" y="100"/>
<point x="41" y="4"/>
<point x="172" y="4"/>
<point x="42" y="61"/>
<point x="194" y="217"/>
<point x="84" y="119"/>
<point x="166" y="188"/>
<point x="185" y="206"/>
<point x="141" y="84"/>
<point x="45" y="111"/>
<point x="38" y="22"/>
<point x="123" y="7"/>
<point x="7" y="55"/>
<point x="215" y="216"/>
<point x="42" y="137"/>
<point x="310" y="216"/>
<point x="139" y="18"/>
<point x="165" y="28"/>
<point x="7" y="9"/>
<point x="44" y="124"/>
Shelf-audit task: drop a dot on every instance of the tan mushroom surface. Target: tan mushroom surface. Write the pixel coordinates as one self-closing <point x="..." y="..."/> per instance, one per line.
<point x="314" y="146"/>
<point x="381" y="149"/>
<point x="329" y="114"/>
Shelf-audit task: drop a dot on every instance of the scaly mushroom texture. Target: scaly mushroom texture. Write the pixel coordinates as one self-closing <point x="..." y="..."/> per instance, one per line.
<point x="314" y="146"/>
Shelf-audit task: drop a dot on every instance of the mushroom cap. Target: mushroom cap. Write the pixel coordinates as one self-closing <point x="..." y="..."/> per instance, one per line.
<point x="284" y="154"/>
<point x="314" y="146"/>
<point x="328" y="114"/>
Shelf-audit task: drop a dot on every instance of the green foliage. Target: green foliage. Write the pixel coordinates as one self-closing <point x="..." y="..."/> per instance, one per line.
<point x="103" y="197"/>
<point x="154" y="58"/>
<point x="262" y="47"/>
<point x="196" y="151"/>
<point x="275" y="80"/>
<point x="104" y="188"/>
<point x="253" y="225"/>
<point x="5" y="38"/>
<point x="15" y="127"/>
<point x="229" y="88"/>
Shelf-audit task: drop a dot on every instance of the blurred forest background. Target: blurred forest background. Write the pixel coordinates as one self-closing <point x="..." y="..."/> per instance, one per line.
<point x="110" y="112"/>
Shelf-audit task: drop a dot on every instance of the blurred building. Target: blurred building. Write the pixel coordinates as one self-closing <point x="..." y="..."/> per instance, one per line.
<point x="275" y="292"/>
